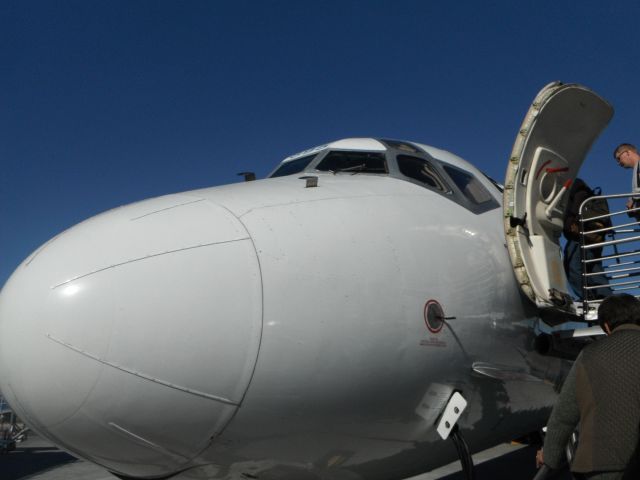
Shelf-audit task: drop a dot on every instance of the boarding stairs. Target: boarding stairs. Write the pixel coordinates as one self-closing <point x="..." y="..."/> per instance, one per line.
<point x="611" y="266"/>
<point x="618" y="254"/>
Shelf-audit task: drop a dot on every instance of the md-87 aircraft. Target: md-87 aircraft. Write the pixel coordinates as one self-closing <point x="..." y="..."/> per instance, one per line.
<point x="331" y="321"/>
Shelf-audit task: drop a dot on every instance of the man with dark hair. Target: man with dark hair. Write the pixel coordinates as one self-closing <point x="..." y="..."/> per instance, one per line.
<point x="627" y="156"/>
<point x="601" y="396"/>
<point x="618" y="310"/>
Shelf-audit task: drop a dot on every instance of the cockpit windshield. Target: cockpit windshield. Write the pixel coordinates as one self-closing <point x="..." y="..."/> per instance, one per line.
<point x="354" y="161"/>
<point x="293" y="166"/>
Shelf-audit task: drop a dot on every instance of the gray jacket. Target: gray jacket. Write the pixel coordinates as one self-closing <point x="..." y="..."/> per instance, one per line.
<point x="601" y="396"/>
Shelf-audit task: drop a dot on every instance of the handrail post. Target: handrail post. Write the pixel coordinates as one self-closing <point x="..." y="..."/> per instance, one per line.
<point x="583" y="260"/>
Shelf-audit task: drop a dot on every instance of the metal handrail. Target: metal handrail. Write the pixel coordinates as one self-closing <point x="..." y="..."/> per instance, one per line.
<point x="610" y="242"/>
<point x="616" y="256"/>
<point x="615" y="273"/>
<point x="621" y="241"/>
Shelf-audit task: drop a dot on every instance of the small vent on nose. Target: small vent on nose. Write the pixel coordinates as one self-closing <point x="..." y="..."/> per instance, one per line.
<point x="248" y="176"/>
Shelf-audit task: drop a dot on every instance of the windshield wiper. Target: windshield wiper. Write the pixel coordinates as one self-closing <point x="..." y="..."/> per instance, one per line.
<point x="353" y="168"/>
<point x="359" y="168"/>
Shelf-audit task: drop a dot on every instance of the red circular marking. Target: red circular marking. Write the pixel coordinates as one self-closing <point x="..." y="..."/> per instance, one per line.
<point x="426" y="320"/>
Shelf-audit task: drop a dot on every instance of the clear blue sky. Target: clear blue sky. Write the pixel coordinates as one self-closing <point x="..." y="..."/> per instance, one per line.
<point x="103" y="103"/>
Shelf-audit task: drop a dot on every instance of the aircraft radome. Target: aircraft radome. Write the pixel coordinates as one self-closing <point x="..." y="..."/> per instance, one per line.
<point x="311" y="325"/>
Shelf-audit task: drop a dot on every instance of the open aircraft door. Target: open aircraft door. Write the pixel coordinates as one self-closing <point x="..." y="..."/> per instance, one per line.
<point x="557" y="132"/>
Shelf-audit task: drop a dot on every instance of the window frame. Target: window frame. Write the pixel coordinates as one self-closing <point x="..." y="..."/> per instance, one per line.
<point x="455" y="194"/>
<point x="447" y="188"/>
<point x="290" y="162"/>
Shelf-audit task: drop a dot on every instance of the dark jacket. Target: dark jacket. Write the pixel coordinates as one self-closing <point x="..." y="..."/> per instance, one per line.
<point x="579" y="193"/>
<point x="602" y="395"/>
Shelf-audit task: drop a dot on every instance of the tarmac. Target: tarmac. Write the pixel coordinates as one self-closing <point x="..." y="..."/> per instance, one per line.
<point x="37" y="459"/>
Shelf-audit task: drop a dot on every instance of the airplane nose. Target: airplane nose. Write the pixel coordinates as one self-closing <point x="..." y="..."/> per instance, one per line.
<point x="130" y="339"/>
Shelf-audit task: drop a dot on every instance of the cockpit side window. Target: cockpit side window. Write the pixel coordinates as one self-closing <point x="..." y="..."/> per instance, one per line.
<point x="293" y="166"/>
<point x="350" y="161"/>
<point x="423" y="171"/>
<point x="469" y="185"/>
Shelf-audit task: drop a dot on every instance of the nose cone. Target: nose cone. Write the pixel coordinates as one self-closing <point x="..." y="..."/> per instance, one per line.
<point x="131" y="338"/>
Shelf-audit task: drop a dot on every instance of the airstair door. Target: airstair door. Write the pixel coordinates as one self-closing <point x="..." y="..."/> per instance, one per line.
<point x="557" y="133"/>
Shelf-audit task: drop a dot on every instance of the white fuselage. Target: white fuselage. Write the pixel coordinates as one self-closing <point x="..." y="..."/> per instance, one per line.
<point x="275" y="330"/>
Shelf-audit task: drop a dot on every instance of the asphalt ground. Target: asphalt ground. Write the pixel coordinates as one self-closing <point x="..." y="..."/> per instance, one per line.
<point x="37" y="459"/>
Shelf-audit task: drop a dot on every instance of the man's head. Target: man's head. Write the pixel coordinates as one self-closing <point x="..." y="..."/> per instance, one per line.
<point x="617" y="310"/>
<point x="626" y="155"/>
